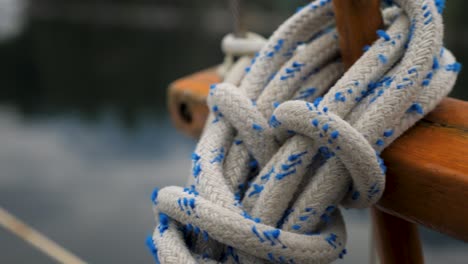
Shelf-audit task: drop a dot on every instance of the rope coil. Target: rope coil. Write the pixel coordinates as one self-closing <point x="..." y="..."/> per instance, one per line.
<point x="290" y="139"/>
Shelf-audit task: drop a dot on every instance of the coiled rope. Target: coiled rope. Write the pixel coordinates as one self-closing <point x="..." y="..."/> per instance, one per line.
<point x="293" y="137"/>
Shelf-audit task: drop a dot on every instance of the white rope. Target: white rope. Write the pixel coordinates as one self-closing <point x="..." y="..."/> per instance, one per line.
<point x="234" y="46"/>
<point x="295" y="139"/>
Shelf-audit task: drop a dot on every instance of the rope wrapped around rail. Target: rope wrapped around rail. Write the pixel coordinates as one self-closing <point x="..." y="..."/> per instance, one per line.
<point x="293" y="137"/>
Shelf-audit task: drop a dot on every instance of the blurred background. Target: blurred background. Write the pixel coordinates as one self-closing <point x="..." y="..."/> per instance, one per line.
<point x="84" y="130"/>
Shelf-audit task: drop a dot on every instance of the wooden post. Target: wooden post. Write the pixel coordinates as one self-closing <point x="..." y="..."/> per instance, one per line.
<point x="357" y="22"/>
<point x="396" y="240"/>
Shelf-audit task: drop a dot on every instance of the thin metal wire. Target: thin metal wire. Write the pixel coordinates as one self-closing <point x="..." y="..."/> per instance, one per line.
<point x="236" y="10"/>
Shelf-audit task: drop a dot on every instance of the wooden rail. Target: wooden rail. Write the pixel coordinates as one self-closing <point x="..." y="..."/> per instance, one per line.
<point x="427" y="178"/>
<point x="187" y="101"/>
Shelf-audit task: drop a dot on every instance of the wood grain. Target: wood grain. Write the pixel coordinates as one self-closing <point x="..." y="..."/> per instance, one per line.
<point x="357" y="22"/>
<point x="427" y="178"/>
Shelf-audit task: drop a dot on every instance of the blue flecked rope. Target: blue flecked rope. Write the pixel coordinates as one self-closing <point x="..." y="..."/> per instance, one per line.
<point x="297" y="138"/>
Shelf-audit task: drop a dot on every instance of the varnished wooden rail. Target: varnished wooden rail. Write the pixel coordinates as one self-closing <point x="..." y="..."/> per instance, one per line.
<point x="427" y="177"/>
<point x="187" y="101"/>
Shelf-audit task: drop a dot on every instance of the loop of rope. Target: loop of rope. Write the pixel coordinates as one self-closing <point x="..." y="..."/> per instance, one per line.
<point x="242" y="46"/>
<point x="234" y="46"/>
<point x="291" y="138"/>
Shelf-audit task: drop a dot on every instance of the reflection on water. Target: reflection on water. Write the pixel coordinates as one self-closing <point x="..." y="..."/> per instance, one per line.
<point x="85" y="136"/>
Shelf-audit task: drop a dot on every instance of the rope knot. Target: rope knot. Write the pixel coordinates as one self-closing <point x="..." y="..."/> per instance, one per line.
<point x="294" y="137"/>
<point x="334" y="137"/>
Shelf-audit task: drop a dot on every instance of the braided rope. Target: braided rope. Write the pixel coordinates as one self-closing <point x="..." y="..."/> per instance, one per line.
<point x="293" y="138"/>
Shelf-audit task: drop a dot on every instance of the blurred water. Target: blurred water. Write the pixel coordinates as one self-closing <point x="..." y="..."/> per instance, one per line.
<point x="86" y="186"/>
<point x="85" y="135"/>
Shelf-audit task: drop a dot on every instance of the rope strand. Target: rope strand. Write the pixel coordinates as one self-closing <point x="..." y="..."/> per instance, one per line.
<point x="38" y="240"/>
